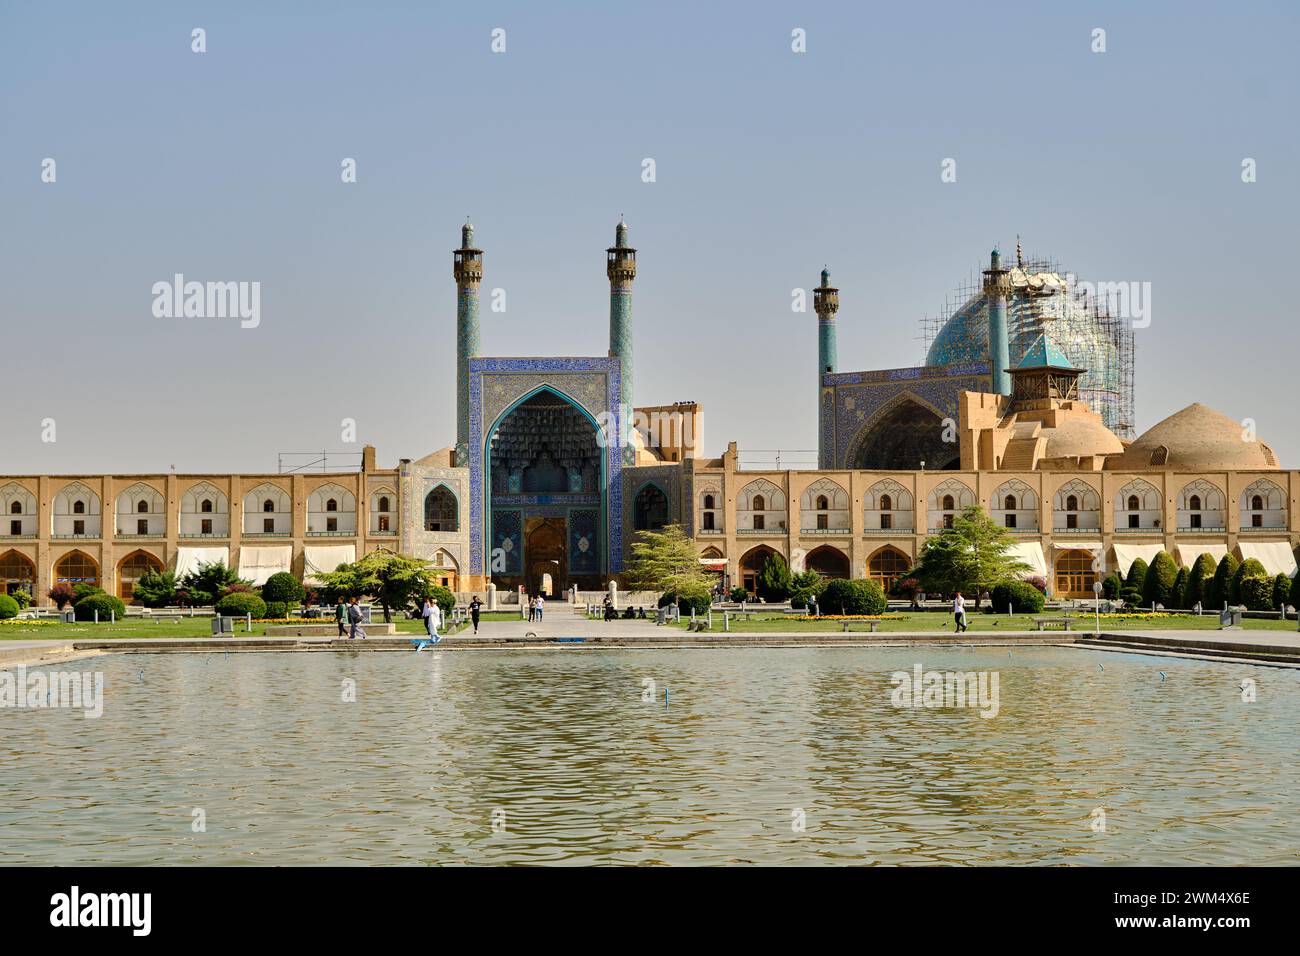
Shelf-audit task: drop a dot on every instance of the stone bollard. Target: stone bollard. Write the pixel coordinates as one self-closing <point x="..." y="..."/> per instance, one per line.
<point x="726" y="620"/>
<point x="491" y="597"/>
<point x="613" y="594"/>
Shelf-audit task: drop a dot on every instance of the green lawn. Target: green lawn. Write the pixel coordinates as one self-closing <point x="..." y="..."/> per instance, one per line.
<point x="136" y="629"/>
<point x="978" y="621"/>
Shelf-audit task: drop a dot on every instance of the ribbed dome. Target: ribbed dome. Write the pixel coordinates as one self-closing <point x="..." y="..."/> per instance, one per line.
<point x="1196" y="439"/>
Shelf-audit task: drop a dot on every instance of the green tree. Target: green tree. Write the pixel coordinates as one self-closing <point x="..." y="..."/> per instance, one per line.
<point x="155" y="588"/>
<point x="208" y="583"/>
<point x="665" y="560"/>
<point x="805" y="586"/>
<point x="1177" y="596"/>
<point x="1198" y="581"/>
<point x="1158" y="585"/>
<point x="1111" y="586"/>
<point x="972" y="555"/>
<point x="24" y="599"/>
<point x="1250" y="568"/>
<point x="1218" y="591"/>
<point x="393" y="580"/>
<point x="774" y="580"/>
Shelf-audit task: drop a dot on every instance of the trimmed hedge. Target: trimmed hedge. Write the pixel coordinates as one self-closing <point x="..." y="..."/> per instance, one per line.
<point x="1177" y="597"/>
<point x="239" y="604"/>
<point x="277" y="609"/>
<point x="1281" y="591"/>
<point x="1111" y="586"/>
<point x="1022" y="596"/>
<point x="1256" y="592"/>
<point x="1158" y="585"/>
<point x="1219" y="588"/>
<point x="861" y="596"/>
<point x="8" y="607"/>
<point x="1250" y="568"/>
<point x="445" y="600"/>
<point x="105" y="604"/>
<point x="699" y="601"/>
<point x="1199" y="581"/>
<point x="283" y="588"/>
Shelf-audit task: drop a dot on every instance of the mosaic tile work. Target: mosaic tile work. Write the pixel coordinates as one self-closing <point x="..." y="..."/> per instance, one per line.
<point x="857" y="399"/>
<point x="667" y="478"/>
<point x="592" y="384"/>
<point x="584" y="541"/>
<point x="508" y="540"/>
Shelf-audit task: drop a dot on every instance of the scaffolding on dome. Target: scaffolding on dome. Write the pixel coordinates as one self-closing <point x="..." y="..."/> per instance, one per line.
<point x="1089" y="331"/>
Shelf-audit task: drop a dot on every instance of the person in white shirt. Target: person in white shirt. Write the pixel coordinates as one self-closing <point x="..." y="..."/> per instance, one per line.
<point x="959" y="612"/>
<point x="432" y="615"/>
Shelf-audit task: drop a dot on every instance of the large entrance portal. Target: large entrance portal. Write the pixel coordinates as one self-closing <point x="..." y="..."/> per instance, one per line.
<point x="546" y="497"/>
<point x="907" y="437"/>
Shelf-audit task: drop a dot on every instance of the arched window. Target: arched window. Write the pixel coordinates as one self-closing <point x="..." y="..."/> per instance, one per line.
<point x="268" y="505"/>
<point x="206" y="506"/>
<point x="76" y="568"/>
<point x="1257" y="503"/>
<point x="1194" y="503"/>
<point x="823" y="504"/>
<point x="1133" y="503"/>
<point x="131" y="570"/>
<point x="383" y="503"/>
<point x="78" y="507"/>
<point x="886" y="503"/>
<point x="16" y="508"/>
<point x="887" y="566"/>
<point x="708" y="501"/>
<point x="650" y="509"/>
<point x="331" y="505"/>
<point x="1071" y="503"/>
<point x="1075" y="574"/>
<point x="1009" y="502"/>
<point x="759" y="503"/>
<point x="948" y="504"/>
<point x="17" y="571"/>
<point x="708" y="521"/>
<point x="441" y="510"/>
<point x="142" y="507"/>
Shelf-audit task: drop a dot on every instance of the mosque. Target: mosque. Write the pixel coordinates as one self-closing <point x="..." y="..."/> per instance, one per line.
<point x="1024" y="406"/>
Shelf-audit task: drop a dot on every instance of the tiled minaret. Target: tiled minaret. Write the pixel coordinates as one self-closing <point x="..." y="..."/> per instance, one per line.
<point x="997" y="285"/>
<point x="468" y="269"/>
<point x="826" y="302"/>
<point x="620" y="266"/>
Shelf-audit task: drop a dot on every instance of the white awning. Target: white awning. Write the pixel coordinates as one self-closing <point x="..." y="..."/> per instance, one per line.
<point x="1126" y="554"/>
<point x="1276" y="556"/>
<point x="1188" y="553"/>
<point x="258" y="564"/>
<point x="1093" y="546"/>
<point x="325" y="557"/>
<point x="189" y="559"/>
<point x="1030" y="552"/>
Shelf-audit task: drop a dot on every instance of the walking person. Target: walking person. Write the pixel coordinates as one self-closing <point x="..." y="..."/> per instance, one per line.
<point x="432" y="615"/>
<point x="532" y="609"/>
<point x="340" y="614"/>
<point x="354" y="618"/>
<point x="539" y="605"/>
<point x="959" y="612"/>
<point x="475" y="606"/>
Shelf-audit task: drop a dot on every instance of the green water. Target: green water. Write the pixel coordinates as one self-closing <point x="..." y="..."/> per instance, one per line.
<point x="554" y="757"/>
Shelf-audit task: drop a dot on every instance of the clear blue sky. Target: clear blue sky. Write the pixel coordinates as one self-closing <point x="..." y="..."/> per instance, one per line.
<point x="225" y="166"/>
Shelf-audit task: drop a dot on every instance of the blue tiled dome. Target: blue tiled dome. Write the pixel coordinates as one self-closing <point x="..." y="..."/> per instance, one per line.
<point x="1033" y="308"/>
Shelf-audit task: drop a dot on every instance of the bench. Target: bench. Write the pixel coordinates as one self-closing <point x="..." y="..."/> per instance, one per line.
<point x="844" y="625"/>
<point x="1046" y="622"/>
